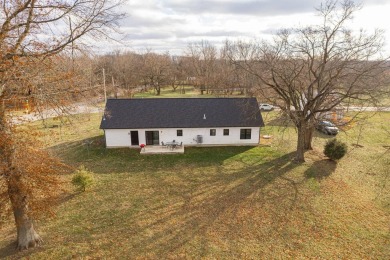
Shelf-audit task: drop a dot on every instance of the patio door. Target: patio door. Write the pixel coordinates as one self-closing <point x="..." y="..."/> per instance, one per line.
<point x="152" y="138"/>
<point x="134" y="137"/>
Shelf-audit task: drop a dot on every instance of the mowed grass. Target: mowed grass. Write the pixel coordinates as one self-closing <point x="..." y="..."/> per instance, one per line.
<point x="189" y="92"/>
<point x="220" y="202"/>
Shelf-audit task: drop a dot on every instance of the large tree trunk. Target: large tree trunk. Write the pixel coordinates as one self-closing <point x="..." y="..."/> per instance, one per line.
<point x="26" y="234"/>
<point x="202" y="89"/>
<point x="157" y="88"/>
<point x="300" y="153"/>
<point x="309" y="138"/>
<point x="174" y="86"/>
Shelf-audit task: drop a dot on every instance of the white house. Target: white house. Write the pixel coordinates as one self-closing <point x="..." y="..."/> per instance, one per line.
<point x="193" y="121"/>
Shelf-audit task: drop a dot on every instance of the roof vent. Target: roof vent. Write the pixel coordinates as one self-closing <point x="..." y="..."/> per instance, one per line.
<point x="204" y="116"/>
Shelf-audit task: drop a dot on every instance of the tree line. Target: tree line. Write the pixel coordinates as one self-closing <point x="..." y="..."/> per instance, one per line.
<point x="203" y="66"/>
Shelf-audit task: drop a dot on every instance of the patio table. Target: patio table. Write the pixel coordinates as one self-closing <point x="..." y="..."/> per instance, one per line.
<point x="172" y="145"/>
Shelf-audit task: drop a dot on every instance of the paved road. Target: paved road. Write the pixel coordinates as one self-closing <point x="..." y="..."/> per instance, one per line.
<point x="361" y="109"/>
<point x="379" y="109"/>
<point x="78" y="108"/>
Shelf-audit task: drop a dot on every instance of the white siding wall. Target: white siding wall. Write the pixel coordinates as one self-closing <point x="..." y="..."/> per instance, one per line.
<point x="117" y="137"/>
<point x="121" y="137"/>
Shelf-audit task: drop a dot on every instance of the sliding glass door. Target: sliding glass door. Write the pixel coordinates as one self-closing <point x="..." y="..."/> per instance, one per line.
<point x="152" y="138"/>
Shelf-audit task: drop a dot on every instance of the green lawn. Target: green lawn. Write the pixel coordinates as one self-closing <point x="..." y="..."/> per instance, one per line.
<point x="168" y="92"/>
<point x="221" y="202"/>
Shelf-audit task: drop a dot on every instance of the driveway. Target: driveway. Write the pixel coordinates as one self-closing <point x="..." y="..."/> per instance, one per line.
<point x="368" y="109"/>
<point x="77" y="108"/>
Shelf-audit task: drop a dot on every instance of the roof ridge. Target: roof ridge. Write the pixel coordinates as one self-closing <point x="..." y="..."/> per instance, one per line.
<point x="205" y="98"/>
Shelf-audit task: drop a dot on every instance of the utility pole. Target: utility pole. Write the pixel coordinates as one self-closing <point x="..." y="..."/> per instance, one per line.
<point x="114" y="87"/>
<point x="104" y="86"/>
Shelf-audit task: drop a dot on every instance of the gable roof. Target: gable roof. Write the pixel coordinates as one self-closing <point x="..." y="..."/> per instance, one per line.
<point x="181" y="113"/>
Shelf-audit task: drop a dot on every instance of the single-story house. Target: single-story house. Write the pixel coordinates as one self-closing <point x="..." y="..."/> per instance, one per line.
<point x="192" y="121"/>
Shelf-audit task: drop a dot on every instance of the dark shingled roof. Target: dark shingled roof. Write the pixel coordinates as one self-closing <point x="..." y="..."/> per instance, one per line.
<point x="181" y="113"/>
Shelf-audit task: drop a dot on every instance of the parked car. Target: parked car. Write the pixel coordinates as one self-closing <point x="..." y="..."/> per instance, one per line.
<point x="327" y="127"/>
<point x="266" y="107"/>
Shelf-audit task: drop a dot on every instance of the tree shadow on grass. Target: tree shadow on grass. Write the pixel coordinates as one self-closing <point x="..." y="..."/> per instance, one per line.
<point x="67" y="196"/>
<point x="10" y="251"/>
<point x="321" y="169"/>
<point x="92" y="153"/>
<point x="203" y="205"/>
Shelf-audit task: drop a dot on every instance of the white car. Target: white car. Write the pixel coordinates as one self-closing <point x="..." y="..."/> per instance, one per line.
<point x="266" y="107"/>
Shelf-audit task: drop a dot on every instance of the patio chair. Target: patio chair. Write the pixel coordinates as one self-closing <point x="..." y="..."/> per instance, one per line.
<point x="163" y="145"/>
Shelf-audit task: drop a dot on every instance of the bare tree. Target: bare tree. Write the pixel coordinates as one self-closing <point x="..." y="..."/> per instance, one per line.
<point x="228" y="77"/>
<point x="203" y="57"/>
<point x="32" y="33"/>
<point x="128" y="73"/>
<point x="155" y="70"/>
<point x="314" y="69"/>
<point x="177" y="72"/>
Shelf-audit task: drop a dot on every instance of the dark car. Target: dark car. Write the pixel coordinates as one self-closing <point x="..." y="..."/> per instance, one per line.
<point x="327" y="127"/>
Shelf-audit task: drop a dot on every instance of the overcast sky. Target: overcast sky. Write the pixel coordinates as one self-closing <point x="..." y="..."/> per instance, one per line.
<point x="170" y="25"/>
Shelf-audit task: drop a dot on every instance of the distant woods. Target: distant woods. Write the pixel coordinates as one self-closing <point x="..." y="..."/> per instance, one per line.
<point x="203" y="66"/>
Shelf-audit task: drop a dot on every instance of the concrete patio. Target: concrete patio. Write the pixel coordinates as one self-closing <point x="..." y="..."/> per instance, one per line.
<point x="158" y="149"/>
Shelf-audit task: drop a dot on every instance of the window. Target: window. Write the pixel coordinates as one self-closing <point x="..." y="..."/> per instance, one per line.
<point x="213" y="132"/>
<point x="245" y="133"/>
<point x="179" y="132"/>
<point x="225" y="131"/>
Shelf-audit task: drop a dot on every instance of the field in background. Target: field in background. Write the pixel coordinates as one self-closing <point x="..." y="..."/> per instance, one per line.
<point x="189" y="91"/>
<point x="221" y="202"/>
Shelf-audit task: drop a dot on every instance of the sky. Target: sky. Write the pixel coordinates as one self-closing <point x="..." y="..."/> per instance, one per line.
<point x="170" y="25"/>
